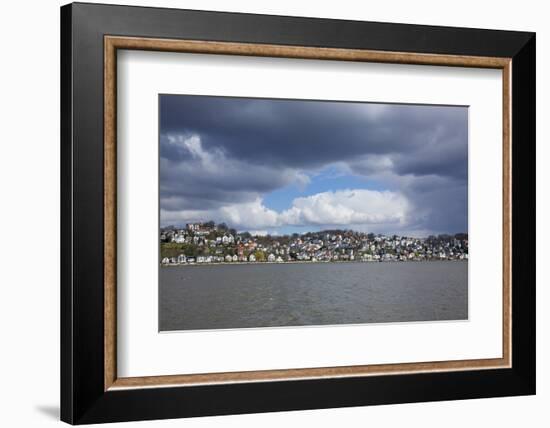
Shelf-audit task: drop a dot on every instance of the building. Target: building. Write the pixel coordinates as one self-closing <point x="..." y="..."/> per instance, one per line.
<point x="228" y="239"/>
<point x="193" y="227"/>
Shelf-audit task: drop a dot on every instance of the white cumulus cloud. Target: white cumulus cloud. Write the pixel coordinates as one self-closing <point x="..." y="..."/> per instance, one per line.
<point x="345" y="207"/>
<point x="357" y="207"/>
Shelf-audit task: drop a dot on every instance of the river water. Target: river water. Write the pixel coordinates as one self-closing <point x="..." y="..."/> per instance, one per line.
<point x="298" y="294"/>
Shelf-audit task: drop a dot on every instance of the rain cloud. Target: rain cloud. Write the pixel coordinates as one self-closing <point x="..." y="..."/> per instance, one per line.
<point x="389" y="168"/>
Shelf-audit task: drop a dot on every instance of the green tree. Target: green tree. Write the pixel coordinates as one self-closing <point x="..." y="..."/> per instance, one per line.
<point x="260" y="256"/>
<point x="210" y="224"/>
<point x="245" y="235"/>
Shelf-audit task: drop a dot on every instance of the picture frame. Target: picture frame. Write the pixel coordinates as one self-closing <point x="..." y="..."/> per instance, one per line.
<point x="91" y="390"/>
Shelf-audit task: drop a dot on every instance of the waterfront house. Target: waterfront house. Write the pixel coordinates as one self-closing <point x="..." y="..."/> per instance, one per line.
<point x="165" y="261"/>
<point x="182" y="259"/>
<point x="235" y="258"/>
<point x="271" y="258"/>
<point x="228" y="258"/>
<point x="251" y="258"/>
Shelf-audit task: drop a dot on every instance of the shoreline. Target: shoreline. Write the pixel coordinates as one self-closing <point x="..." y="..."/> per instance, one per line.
<point x="303" y="262"/>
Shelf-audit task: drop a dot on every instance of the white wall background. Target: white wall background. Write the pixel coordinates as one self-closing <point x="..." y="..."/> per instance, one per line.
<point x="29" y="214"/>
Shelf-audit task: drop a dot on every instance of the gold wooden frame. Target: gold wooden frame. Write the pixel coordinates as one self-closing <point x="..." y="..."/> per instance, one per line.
<point x="113" y="43"/>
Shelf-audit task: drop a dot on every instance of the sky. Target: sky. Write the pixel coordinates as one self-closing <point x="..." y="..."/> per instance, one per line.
<point x="283" y="166"/>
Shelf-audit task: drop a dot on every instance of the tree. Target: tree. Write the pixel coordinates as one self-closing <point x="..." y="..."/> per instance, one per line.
<point x="191" y="250"/>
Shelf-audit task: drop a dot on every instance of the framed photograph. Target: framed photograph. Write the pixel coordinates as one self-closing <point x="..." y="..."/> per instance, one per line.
<point x="265" y="213"/>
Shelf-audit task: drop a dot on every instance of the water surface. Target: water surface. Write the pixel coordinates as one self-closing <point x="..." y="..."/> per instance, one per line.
<point x="298" y="294"/>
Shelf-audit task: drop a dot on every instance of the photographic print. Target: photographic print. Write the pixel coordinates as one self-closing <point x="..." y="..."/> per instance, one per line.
<point x="286" y="212"/>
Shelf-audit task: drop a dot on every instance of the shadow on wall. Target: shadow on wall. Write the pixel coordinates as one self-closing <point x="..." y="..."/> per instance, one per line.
<point x="50" y="411"/>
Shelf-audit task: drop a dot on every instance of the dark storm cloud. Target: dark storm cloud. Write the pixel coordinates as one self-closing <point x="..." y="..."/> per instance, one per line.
<point x="220" y="150"/>
<point x="299" y="133"/>
<point x="441" y="204"/>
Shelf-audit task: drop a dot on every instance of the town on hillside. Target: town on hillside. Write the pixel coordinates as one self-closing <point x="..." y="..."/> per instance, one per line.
<point x="208" y="242"/>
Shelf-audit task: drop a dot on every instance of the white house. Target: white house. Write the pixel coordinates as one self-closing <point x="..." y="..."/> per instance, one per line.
<point x="235" y="258"/>
<point x="271" y="258"/>
<point x="251" y="258"/>
<point x="182" y="258"/>
<point x="179" y="239"/>
<point x="165" y="261"/>
<point x="228" y="258"/>
<point x="228" y="239"/>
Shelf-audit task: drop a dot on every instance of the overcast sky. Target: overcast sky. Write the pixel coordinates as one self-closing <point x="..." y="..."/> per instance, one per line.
<point x="281" y="166"/>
